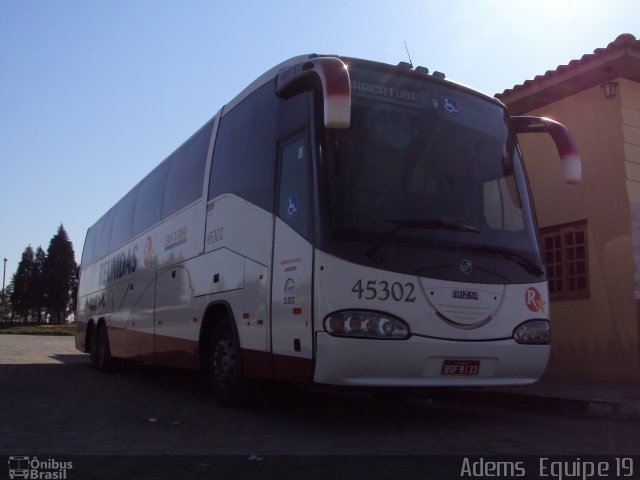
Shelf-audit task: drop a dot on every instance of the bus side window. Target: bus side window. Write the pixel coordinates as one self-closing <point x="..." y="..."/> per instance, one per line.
<point x="103" y="237"/>
<point x="149" y="204"/>
<point x="88" y="249"/>
<point x="294" y="206"/>
<point x="123" y="222"/>
<point x="243" y="160"/>
<point x="184" y="182"/>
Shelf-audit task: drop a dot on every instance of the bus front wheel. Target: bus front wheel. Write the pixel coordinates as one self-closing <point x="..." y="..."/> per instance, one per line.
<point x="225" y="378"/>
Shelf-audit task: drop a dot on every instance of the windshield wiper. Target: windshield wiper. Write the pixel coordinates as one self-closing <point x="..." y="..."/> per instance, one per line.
<point x="518" y="258"/>
<point x="422" y="224"/>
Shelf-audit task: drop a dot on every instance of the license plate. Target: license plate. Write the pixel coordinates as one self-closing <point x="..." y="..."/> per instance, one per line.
<point x="460" y="367"/>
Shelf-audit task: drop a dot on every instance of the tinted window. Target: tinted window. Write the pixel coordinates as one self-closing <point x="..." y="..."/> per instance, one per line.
<point x="149" y="204"/>
<point x="294" y="206"/>
<point x="186" y="174"/>
<point x="103" y="238"/>
<point x="243" y="161"/>
<point x="123" y="220"/>
<point x="422" y="179"/>
<point x="89" y="242"/>
<point x="294" y="114"/>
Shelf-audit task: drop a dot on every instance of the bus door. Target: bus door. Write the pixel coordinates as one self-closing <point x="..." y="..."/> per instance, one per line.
<point x="292" y="322"/>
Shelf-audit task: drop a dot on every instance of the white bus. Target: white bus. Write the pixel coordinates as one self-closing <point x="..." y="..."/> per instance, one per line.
<point x="340" y="222"/>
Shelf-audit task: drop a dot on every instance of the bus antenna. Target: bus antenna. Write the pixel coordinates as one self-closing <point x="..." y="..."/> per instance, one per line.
<point x="408" y="54"/>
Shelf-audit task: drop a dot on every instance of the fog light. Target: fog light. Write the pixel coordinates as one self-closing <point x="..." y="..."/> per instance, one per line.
<point x="533" y="332"/>
<point x="373" y="328"/>
<point x="336" y="324"/>
<point x="365" y="324"/>
<point x="388" y="328"/>
<point x="355" y="324"/>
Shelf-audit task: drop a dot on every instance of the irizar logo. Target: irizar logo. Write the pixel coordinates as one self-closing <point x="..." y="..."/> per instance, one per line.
<point x="466" y="266"/>
<point x="465" y="295"/>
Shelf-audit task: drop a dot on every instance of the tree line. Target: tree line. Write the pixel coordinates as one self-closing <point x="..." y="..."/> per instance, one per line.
<point x="44" y="287"/>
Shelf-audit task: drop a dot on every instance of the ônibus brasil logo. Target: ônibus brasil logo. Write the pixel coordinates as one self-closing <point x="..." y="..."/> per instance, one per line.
<point x="33" y="468"/>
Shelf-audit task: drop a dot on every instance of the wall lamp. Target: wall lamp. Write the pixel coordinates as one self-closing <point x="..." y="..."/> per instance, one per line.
<point x="609" y="89"/>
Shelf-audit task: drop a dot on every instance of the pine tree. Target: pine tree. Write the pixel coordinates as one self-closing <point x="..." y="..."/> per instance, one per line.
<point x="38" y="284"/>
<point x="60" y="273"/>
<point x="8" y="311"/>
<point x="22" y="295"/>
<point x="74" y="290"/>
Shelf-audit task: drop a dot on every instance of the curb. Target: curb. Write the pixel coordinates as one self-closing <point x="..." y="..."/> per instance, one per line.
<point x="542" y="403"/>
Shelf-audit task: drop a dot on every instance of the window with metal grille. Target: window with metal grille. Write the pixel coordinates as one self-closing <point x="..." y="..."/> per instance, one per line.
<point x="565" y="253"/>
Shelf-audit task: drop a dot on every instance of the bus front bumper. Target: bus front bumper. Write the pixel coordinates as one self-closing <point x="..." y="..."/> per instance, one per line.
<point x="420" y="361"/>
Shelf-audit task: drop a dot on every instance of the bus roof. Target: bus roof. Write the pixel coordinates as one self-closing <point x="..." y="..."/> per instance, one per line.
<point x="402" y="69"/>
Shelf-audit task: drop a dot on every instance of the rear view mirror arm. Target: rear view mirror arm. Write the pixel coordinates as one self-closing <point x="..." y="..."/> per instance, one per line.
<point x="332" y="75"/>
<point x="562" y="138"/>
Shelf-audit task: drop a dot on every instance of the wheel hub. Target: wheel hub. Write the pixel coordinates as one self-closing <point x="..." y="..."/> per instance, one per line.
<point x="224" y="361"/>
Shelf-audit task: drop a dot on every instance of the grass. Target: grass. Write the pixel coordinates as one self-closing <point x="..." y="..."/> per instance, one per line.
<point x="61" y="330"/>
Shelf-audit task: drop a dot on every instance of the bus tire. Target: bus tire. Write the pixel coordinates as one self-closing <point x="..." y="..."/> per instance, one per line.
<point x="224" y="372"/>
<point x="100" y="354"/>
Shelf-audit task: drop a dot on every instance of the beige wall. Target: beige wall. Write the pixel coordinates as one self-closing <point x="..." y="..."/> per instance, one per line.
<point x="630" y="104"/>
<point x="596" y="338"/>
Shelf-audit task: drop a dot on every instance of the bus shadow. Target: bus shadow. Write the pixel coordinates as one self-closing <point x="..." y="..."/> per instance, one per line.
<point x="175" y="406"/>
<point x="184" y="395"/>
<point x="72" y="358"/>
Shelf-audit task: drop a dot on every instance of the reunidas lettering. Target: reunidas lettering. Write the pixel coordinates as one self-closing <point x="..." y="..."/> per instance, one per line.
<point x="118" y="266"/>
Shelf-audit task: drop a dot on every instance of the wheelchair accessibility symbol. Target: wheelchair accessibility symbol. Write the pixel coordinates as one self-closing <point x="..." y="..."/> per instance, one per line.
<point x="450" y="105"/>
<point x="292" y="205"/>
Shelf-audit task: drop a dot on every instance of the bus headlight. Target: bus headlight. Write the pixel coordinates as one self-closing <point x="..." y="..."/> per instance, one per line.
<point x="533" y="332"/>
<point x="366" y="324"/>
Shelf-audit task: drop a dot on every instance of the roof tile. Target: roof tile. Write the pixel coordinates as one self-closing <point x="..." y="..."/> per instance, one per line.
<point x="624" y="40"/>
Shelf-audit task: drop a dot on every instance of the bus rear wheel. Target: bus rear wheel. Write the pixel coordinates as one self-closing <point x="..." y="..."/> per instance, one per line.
<point x="100" y="354"/>
<point x="225" y="377"/>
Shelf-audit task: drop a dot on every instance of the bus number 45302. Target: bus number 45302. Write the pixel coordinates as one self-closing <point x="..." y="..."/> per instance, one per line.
<point x="383" y="290"/>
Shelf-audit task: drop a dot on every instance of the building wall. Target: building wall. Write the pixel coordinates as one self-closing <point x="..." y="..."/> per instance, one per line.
<point x="630" y="100"/>
<point x="595" y="338"/>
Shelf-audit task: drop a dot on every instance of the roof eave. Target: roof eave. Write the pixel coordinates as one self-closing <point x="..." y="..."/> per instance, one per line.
<point x="570" y="79"/>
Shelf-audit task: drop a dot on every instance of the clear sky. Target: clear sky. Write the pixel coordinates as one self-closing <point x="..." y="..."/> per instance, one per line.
<point x="94" y="94"/>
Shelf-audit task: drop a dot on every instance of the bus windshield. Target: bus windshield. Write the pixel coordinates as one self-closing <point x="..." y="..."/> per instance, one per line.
<point x="426" y="177"/>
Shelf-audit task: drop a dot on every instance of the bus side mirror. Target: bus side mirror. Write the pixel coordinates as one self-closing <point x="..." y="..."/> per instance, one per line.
<point x="333" y="76"/>
<point x="569" y="156"/>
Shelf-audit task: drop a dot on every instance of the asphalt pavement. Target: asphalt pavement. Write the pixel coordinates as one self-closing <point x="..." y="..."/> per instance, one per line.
<point x="584" y="398"/>
<point x="149" y="422"/>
